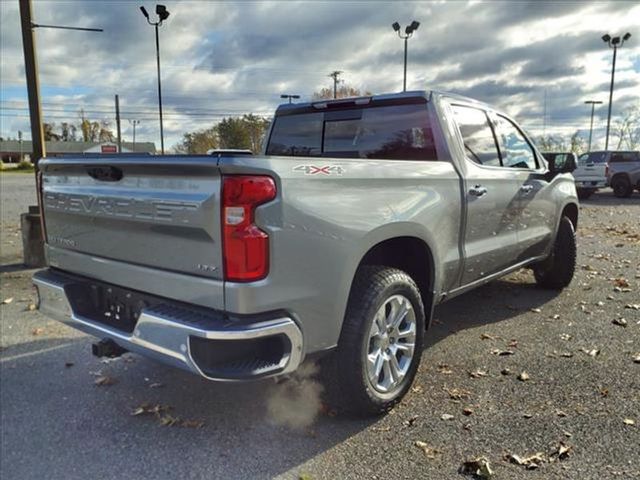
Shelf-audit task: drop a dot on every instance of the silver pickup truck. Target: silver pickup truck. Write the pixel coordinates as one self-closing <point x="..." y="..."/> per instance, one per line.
<point x="335" y="245"/>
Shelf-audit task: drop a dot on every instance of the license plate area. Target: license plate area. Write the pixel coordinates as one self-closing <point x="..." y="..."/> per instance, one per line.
<point x="107" y="304"/>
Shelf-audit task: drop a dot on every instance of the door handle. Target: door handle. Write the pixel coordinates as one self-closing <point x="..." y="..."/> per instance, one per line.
<point x="526" y="189"/>
<point x="477" y="191"/>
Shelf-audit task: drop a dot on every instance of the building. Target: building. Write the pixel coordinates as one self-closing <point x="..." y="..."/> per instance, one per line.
<point x="10" y="150"/>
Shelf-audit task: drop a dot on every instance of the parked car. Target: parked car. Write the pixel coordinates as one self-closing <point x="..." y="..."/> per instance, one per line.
<point x="590" y="173"/>
<point x="335" y="244"/>
<point x="623" y="172"/>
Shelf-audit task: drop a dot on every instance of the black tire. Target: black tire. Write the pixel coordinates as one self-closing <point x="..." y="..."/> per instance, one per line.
<point x="621" y="187"/>
<point x="556" y="272"/>
<point x="347" y="383"/>
<point x="584" y="193"/>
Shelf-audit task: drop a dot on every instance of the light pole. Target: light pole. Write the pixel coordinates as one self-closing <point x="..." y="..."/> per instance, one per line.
<point x="290" y="97"/>
<point x="593" y="106"/>
<point x="615" y="43"/>
<point x="134" y="123"/>
<point x="408" y="33"/>
<point x="163" y="14"/>
<point x="335" y="75"/>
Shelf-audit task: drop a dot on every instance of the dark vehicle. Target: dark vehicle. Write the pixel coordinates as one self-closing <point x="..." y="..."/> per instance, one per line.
<point x="623" y="173"/>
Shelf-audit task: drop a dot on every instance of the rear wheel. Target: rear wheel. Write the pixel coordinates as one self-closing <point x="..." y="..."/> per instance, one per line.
<point x="380" y="345"/>
<point x="621" y="187"/>
<point x="556" y="272"/>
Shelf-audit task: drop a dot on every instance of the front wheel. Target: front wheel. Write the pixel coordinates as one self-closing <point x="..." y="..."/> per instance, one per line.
<point x="380" y="345"/>
<point x="556" y="272"/>
<point x="621" y="187"/>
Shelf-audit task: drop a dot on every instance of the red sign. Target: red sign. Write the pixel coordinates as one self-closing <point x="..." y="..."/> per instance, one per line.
<point x="109" y="149"/>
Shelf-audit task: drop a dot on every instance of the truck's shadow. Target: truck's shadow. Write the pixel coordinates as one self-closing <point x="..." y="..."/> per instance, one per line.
<point x="50" y="405"/>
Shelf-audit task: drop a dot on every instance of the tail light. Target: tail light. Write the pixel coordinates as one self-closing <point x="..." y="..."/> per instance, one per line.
<point x="245" y="246"/>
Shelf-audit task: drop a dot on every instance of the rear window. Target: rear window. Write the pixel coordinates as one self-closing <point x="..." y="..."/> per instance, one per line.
<point x="397" y="132"/>
<point x="592" y="157"/>
<point x="624" y="157"/>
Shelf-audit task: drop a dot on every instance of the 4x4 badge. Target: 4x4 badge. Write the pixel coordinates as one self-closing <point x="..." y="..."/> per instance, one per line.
<point x="319" y="170"/>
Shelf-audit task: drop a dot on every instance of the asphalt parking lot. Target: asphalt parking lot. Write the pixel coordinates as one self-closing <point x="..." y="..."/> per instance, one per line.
<point x="574" y="415"/>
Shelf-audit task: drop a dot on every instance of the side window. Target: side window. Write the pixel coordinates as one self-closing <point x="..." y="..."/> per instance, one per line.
<point x="479" y="142"/>
<point x="516" y="151"/>
<point x="297" y="135"/>
<point x="583" y="159"/>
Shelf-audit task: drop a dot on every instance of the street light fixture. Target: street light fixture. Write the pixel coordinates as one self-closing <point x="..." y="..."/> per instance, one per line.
<point x="290" y="97"/>
<point x="408" y="33"/>
<point x="593" y="106"/>
<point x="615" y="43"/>
<point x="163" y="14"/>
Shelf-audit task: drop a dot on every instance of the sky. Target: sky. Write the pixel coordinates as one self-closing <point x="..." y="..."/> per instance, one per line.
<point x="538" y="61"/>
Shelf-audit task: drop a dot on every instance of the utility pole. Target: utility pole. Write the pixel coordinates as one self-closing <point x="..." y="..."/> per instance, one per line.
<point x="335" y="74"/>
<point x="544" y="115"/>
<point x="118" y="124"/>
<point x="134" y="123"/>
<point x="33" y="86"/>
<point x="20" y="142"/>
<point x="593" y="106"/>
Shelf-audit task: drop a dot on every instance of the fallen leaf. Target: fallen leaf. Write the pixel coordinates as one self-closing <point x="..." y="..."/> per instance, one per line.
<point x="457" y="393"/>
<point x="410" y="421"/>
<point x="555" y="317"/>
<point x="7" y="301"/>
<point x="536" y="310"/>
<point x="523" y="377"/>
<point x="486" y="336"/>
<point x="513" y="343"/>
<point x="565" y="336"/>
<point x="428" y="451"/>
<point x="478" y="373"/>
<point x="156" y="385"/>
<point x="467" y="411"/>
<point x="417" y="389"/>
<point x="620" y="321"/>
<point x="104" y="381"/>
<point x="629" y="421"/>
<point x="479" y="467"/>
<point x="168" y="421"/>
<point x="502" y="353"/>
<point x="560" y="413"/>
<point x="444" y="369"/>
<point x="636" y="358"/>
<point x="530" y="463"/>
<point x="592" y="353"/>
<point x="561" y="452"/>
<point x="621" y="282"/>
<point x="633" y="306"/>
<point x="505" y="371"/>
<point x="147" y="408"/>
<point x="192" y="424"/>
<point x="37" y="331"/>
<point x="566" y="354"/>
<point x="446" y="416"/>
<point x="527" y="415"/>
<point x="31" y="307"/>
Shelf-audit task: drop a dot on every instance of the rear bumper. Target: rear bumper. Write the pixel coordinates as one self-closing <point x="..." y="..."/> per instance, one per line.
<point x="208" y="344"/>
<point x="592" y="183"/>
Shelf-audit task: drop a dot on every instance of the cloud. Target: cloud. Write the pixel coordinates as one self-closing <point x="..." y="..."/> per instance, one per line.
<point x="227" y="58"/>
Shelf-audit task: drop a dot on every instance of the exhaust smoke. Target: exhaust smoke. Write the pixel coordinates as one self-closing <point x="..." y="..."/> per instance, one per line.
<point x="296" y="402"/>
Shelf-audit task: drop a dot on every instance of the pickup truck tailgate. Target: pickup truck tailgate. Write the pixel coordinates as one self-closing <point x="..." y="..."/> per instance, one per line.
<point x="157" y="212"/>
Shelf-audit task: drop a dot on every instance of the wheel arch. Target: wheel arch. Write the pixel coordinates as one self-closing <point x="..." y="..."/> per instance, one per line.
<point x="412" y="255"/>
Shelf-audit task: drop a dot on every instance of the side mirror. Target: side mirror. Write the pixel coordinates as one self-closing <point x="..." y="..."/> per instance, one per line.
<point x="563" y="163"/>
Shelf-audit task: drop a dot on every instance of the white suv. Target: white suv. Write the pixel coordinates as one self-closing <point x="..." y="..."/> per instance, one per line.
<point x="590" y="174"/>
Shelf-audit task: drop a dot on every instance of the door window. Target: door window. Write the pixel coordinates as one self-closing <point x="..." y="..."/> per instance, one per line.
<point x="514" y="147"/>
<point x="479" y="142"/>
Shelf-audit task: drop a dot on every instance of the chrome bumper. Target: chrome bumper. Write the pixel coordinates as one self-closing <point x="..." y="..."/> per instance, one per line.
<point x="165" y="336"/>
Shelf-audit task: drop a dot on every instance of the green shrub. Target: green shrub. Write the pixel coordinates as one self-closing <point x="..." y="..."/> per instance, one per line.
<point x="25" y="165"/>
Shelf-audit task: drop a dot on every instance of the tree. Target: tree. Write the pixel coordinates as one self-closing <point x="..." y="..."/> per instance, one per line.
<point x="551" y="144"/>
<point x="627" y="129"/>
<point x="48" y="129"/>
<point x="232" y="133"/>
<point x="256" y="129"/>
<point x="577" y="143"/>
<point x="198" y="142"/>
<point x="343" y="91"/>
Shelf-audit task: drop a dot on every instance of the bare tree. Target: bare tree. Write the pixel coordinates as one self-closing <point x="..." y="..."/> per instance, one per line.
<point x="627" y="129"/>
